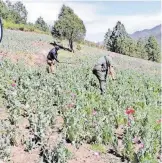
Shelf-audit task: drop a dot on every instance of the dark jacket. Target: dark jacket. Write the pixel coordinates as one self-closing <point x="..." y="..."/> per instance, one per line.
<point x="52" y="55"/>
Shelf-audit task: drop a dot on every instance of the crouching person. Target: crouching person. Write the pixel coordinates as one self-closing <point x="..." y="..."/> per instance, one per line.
<point x="52" y="59"/>
<point x="102" y="69"/>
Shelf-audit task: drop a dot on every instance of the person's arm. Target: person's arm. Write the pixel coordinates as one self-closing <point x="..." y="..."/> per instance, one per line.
<point x="54" y="56"/>
<point x="57" y="60"/>
<point x="112" y="72"/>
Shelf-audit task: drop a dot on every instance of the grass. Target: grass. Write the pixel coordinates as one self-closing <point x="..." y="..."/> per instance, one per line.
<point x="22" y="27"/>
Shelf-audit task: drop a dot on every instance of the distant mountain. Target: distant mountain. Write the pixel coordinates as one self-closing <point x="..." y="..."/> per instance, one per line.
<point x="155" y="31"/>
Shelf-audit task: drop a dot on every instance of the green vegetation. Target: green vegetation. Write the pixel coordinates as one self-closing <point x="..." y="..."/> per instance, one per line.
<point x="69" y="26"/>
<point x="15" y="13"/>
<point x="38" y="97"/>
<point x="153" y="49"/>
<point x="22" y="27"/>
<point x="41" y="24"/>
<point x="119" y="41"/>
<point x="14" y="16"/>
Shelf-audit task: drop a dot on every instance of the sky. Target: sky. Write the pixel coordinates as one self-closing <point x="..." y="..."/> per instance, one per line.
<point x="98" y="16"/>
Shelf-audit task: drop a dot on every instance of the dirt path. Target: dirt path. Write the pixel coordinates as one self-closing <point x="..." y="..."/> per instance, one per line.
<point x="85" y="155"/>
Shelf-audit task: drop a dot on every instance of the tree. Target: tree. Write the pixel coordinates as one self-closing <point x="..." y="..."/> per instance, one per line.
<point x="125" y="46"/>
<point x="41" y="24"/>
<point x="119" y="41"/>
<point x="3" y="10"/>
<point x="69" y="26"/>
<point x="107" y="40"/>
<point x="7" y="12"/>
<point x="153" y="49"/>
<point x="17" y="12"/>
<point x="118" y="32"/>
<point x="122" y="45"/>
<point x="141" y="50"/>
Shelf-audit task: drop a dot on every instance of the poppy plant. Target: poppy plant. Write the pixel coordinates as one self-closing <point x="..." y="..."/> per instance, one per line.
<point x="129" y="111"/>
<point x="94" y="112"/>
<point x="13" y="84"/>
<point x="141" y="145"/>
<point x="71" y="105"/>
<point x="159" y="121"/>
<point x="73" y="95"/>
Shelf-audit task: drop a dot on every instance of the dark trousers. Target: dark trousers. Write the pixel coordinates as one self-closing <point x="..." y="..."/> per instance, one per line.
<point x="101" y="76"/>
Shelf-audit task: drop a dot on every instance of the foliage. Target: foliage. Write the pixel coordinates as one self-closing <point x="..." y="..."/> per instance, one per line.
<point x="78" y="47"/>
<point x="119" y="41"/>
<point x="15" y="17"/>
<point x="41" y="24"/>
<point x="153" y="50"/>
<point x="3" y="10"/>
<point x="22" y="27"/>
<point x="74" y="95"/>
<point x="125" y="46"/>
<point x="6" y="135"/>
<point x="141" y="50"/>
<point x="118" y="32"/>
<point x="58" y="154"/>
<point x="81" y="125"/>
<point x="17" y="12"/>
<point x="21" y="43"/>
<point x="107" y="40"/>
<point x="69" y="26"/>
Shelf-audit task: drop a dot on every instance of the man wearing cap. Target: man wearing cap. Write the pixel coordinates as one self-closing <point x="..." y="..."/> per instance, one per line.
<point x="52" y="59"/>
<point x="102" y="68"/>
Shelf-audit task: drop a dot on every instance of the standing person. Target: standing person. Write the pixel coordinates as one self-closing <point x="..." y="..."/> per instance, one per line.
<point x="1" y="30"/>
<point x="102" y="68"/>
<point x="52" y="58"/>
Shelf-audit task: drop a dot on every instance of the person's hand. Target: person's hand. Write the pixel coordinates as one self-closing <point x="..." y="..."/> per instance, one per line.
<point x="112" y="76"/>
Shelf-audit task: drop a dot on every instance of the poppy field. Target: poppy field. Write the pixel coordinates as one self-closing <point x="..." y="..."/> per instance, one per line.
<point x="47" y="111"/>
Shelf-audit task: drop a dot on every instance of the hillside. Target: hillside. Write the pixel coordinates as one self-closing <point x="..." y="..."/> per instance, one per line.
<point x="32" y="45"/>
<point x="155" y="31"/>
<point x="63" y="118"/>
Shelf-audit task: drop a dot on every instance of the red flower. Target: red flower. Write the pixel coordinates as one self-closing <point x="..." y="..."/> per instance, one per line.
<point x="159" y="121"/>
<point x="71" y="105"/>
<point x="130" y="110"/>
<point x="13" y="84"/>
<point x="141" y="145"/>
<point x="94" y="112"/>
